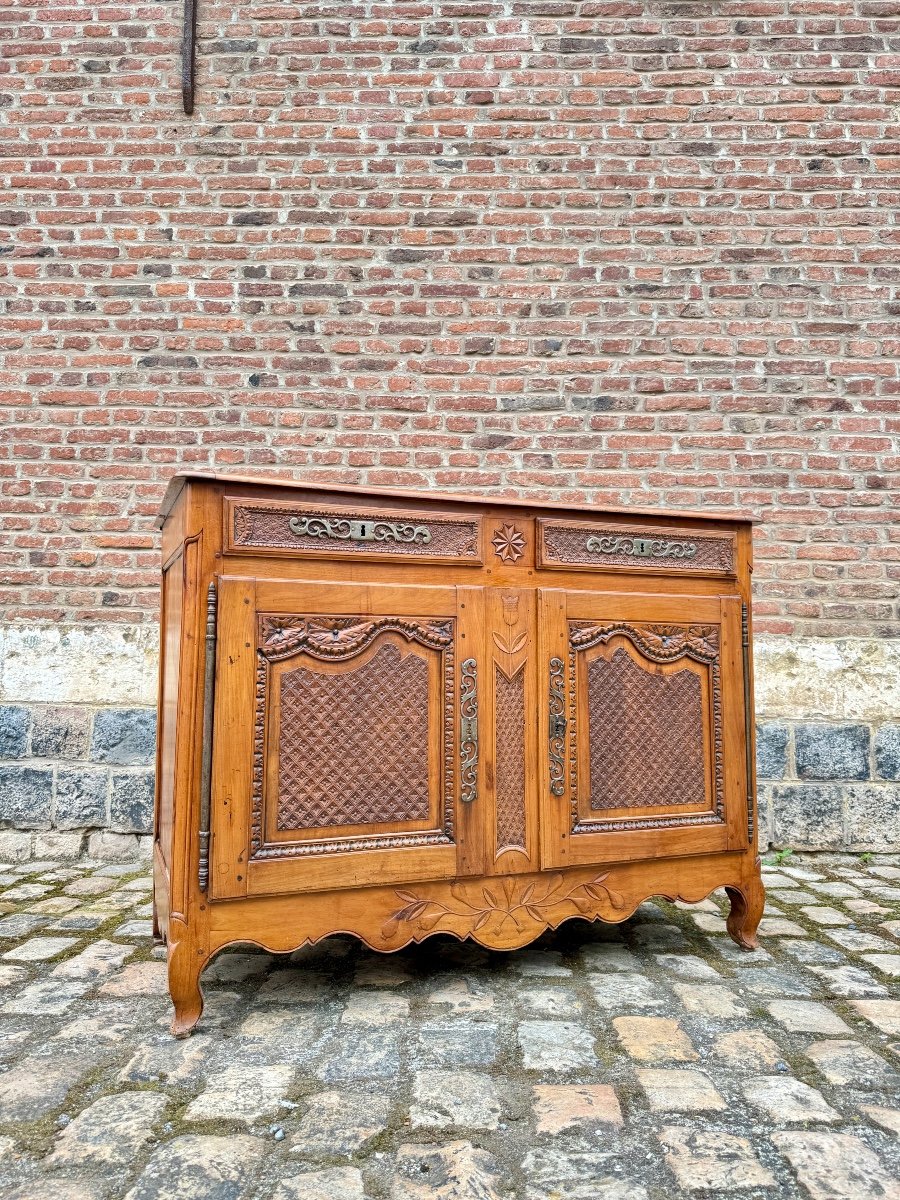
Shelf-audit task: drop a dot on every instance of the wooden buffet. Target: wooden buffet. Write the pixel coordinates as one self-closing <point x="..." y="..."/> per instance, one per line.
<point x="393" y="714"/>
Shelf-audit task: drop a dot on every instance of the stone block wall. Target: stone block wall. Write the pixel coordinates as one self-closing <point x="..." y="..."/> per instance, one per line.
<point x="828" y="743"/>
<point x="829" y="786"/>
<point x="76" y="774"/>
<point x="75" y="779"/>
<point x="80" y="779"/>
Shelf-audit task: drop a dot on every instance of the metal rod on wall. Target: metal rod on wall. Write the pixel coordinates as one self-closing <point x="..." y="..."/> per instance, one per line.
<point x="188" y="54"/>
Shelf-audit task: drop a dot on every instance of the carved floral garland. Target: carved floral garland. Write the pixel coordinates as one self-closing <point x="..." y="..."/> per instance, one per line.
<point x="508" y="901"/>
<point x="662" y="643"/>
<point x="342" y="637"/>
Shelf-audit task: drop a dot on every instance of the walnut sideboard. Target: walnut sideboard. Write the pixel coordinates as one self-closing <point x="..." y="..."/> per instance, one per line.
<point x="394" y="715"/>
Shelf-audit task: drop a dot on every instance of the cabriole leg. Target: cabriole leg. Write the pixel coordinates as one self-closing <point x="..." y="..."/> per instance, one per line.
<point x="747" y="903"/>
<point x="185" y="967"/>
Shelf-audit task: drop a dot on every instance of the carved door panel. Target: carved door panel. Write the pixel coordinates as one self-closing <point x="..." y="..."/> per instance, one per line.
<point x="346" y="745"/>
<point x="645" y="745"/>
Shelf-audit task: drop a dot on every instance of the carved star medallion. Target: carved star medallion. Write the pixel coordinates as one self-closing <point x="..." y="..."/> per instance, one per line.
<point x="509" y="543"/>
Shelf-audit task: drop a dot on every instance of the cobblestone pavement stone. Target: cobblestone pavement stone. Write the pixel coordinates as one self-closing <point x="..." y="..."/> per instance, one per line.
<point x="647" y="1061"/>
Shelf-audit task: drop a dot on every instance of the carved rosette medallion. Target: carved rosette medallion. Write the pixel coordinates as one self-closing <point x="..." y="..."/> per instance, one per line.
<point x="509" y="543"/>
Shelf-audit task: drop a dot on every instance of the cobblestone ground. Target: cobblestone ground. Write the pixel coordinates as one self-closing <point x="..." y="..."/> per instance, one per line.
<point x="647" y="1061"/>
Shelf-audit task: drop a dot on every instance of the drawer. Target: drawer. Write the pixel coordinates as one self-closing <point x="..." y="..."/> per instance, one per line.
<point x="326" y="531"/>
<point x="601" y="546"/>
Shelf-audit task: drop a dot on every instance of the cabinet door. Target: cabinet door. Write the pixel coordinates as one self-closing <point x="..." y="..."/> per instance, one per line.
<point x="346" y="743"/>
<point x="645" y="750"/>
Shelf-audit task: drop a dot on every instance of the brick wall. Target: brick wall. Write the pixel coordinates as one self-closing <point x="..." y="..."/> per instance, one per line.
<point x="623" y="253"/>
<point x="632" y="252"/>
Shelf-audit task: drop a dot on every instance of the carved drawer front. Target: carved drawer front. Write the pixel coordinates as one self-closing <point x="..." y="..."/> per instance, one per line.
<point x="354" y="734"/>
<point x="568" y="545"/>
<point x="314" y="531"/>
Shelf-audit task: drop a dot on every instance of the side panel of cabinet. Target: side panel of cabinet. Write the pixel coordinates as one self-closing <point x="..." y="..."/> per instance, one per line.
<point x="645" y="750"/>
<point x="179" y="702"/>
<point x="348" y="734"/>
<point x="172" y="595"/>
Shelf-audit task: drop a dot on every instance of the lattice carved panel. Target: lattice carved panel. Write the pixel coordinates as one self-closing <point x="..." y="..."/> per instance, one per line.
<point x="326" y="717"/>
<point x="353" y="746"/>
<point x="645" y="735"/>
<point x="509" y="700"/>
<point x="645" y="729"/>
